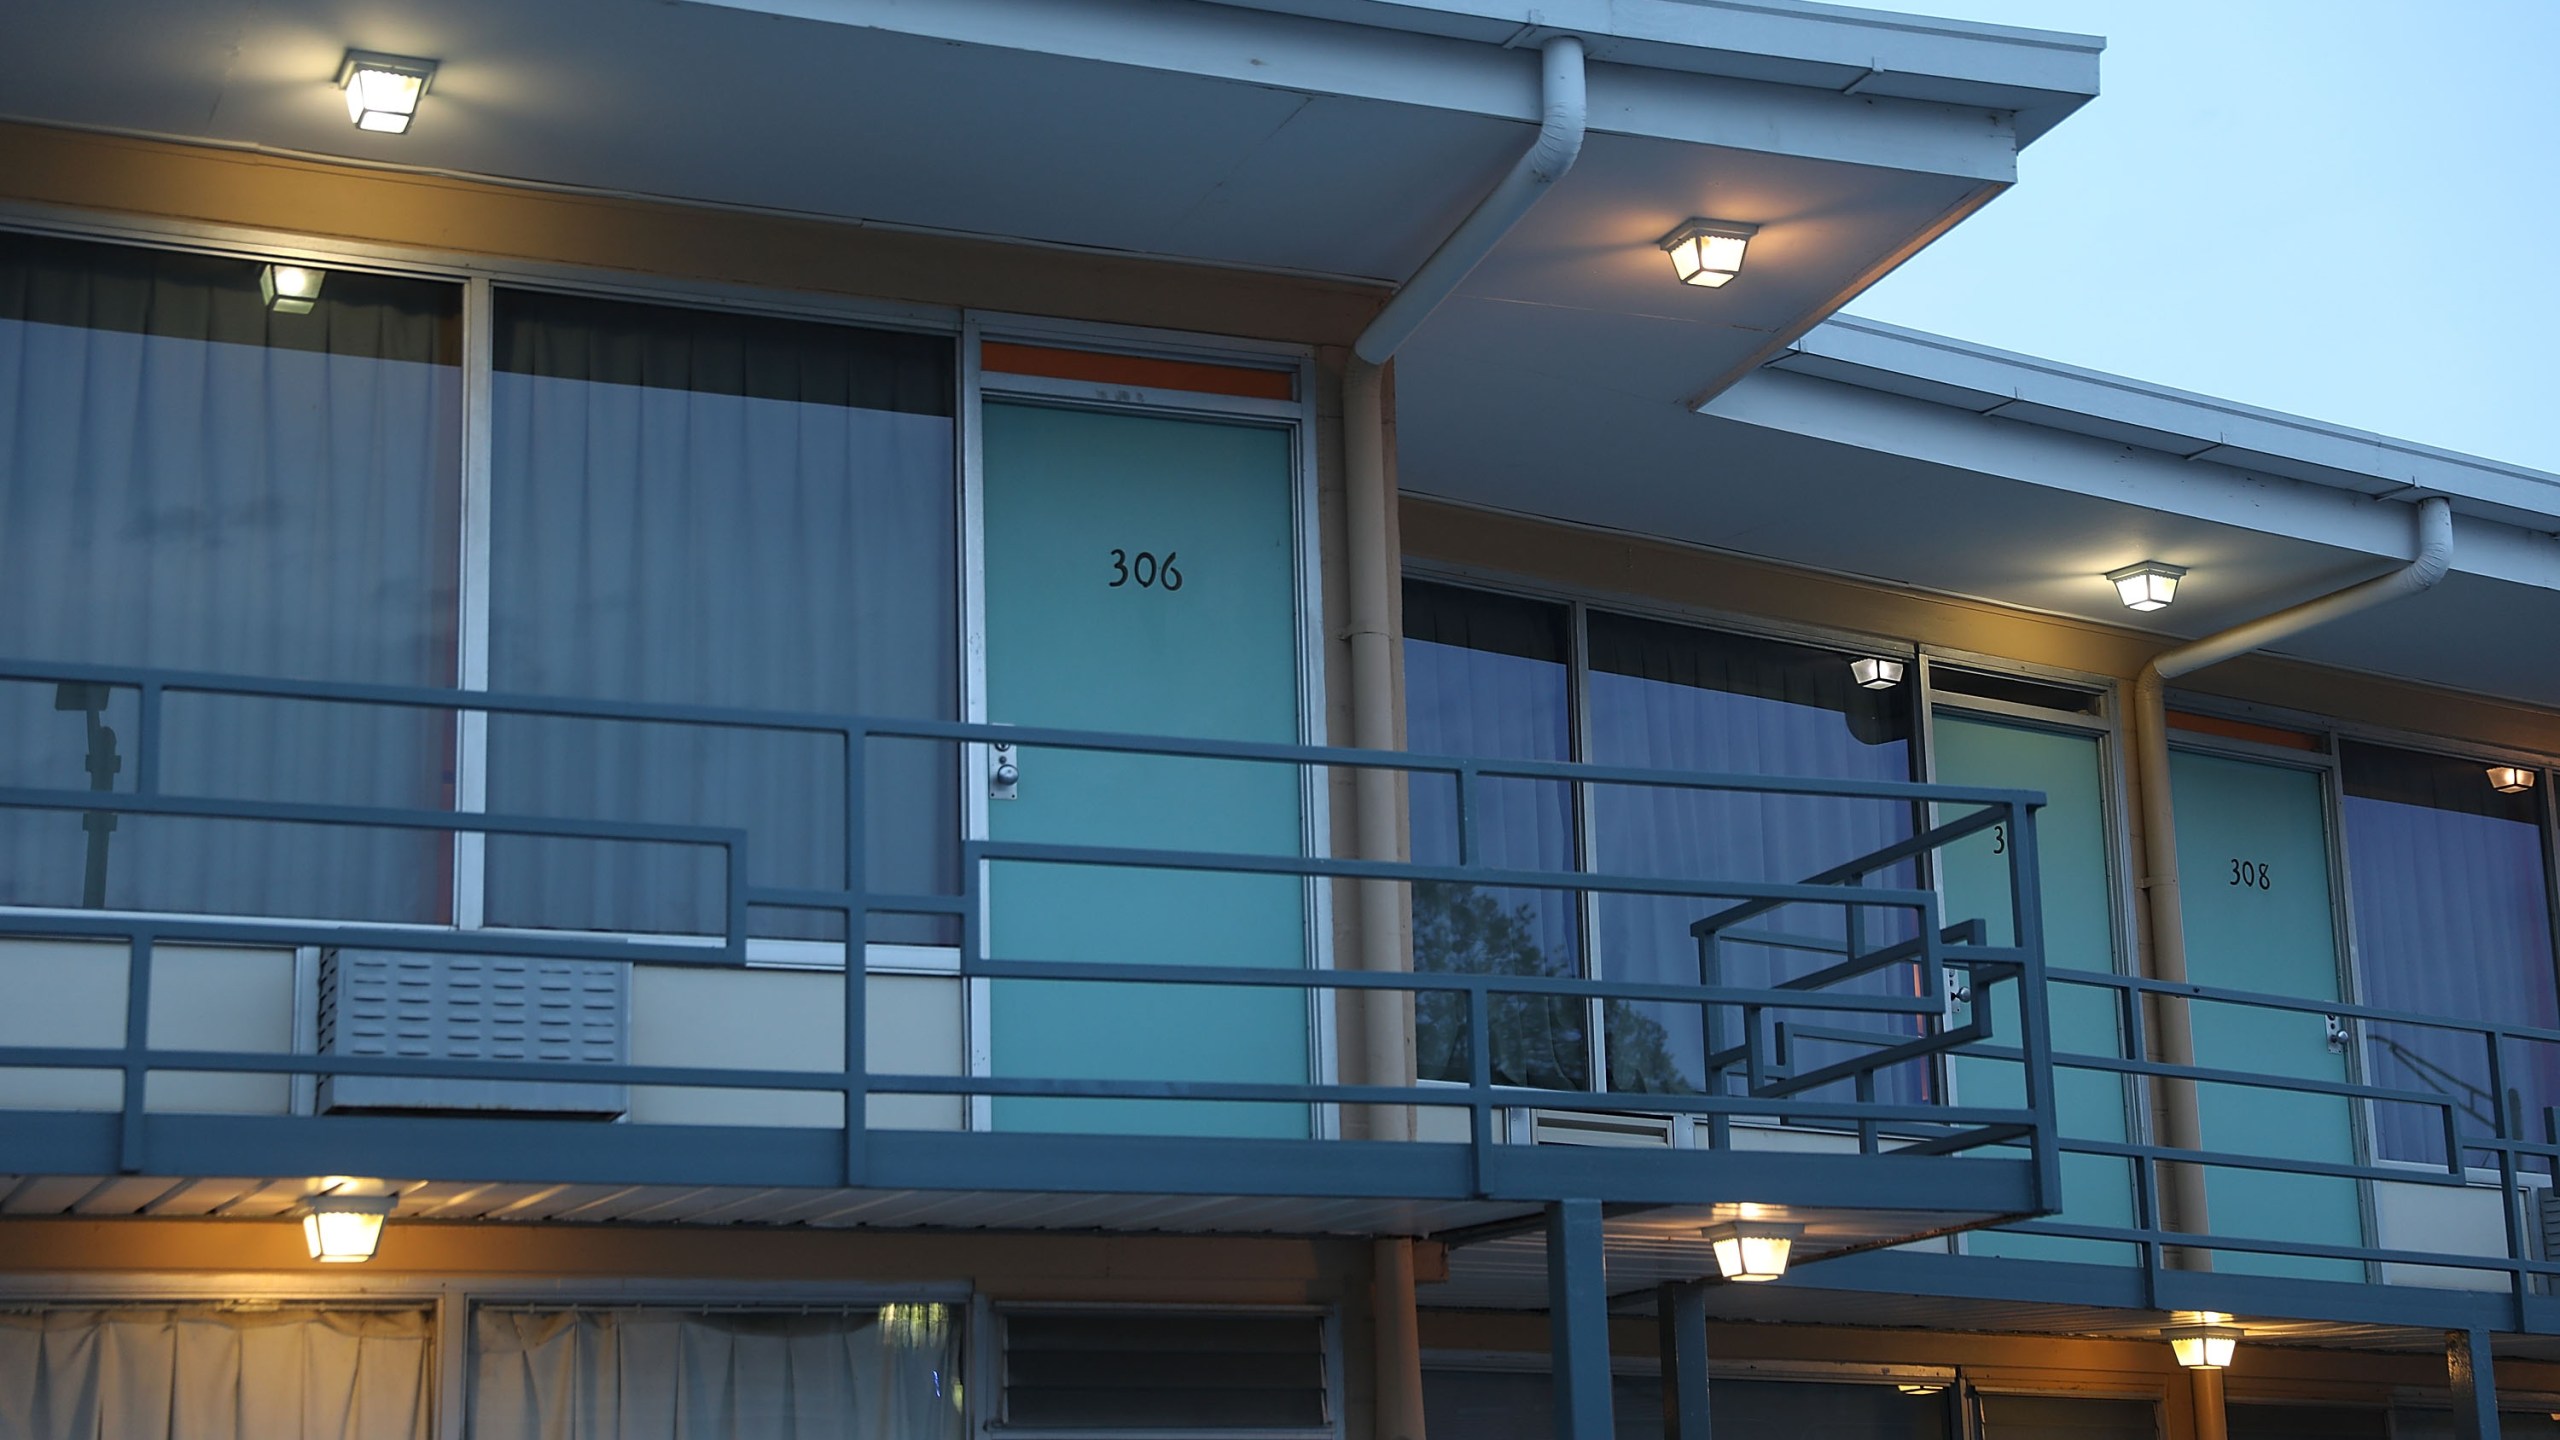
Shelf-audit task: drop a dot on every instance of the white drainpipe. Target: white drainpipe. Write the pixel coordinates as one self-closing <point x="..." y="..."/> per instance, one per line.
<point x="1374" y="569"/>
<point x="2179" y="1125"/>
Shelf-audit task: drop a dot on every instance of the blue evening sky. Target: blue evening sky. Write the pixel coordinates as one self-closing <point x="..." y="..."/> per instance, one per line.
<point x="2345" y="209"/>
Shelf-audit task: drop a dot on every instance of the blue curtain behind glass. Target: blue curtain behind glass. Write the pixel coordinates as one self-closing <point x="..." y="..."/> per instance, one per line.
<point x="1488" y="676"/>
<point x="189" y="480"/>
<point x="1674" y="697"/>
<point x="2453" y="917"/>
<point x="694" y="507"/>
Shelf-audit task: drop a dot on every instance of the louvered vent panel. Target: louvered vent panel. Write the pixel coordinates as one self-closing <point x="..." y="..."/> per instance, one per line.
<point x="2546" y="1210"/>
<point x="1190" y="1373"/>
<point x="473" y="1007"/>
<point x="1585" y="1127"/>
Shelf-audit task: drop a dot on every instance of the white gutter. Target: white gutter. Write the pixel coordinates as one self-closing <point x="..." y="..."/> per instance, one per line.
<point x="1369" y="500"/>
<point x="2179" y="1125"/>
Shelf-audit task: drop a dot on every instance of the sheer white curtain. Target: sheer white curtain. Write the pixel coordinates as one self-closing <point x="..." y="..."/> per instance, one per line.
<point x="197" y="1373"/>
<point x="630" y="1373"/>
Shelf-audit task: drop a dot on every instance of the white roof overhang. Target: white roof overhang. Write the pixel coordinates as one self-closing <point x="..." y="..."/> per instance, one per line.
<point x="1334" y="138"/>
<point x="1927" y="463"/>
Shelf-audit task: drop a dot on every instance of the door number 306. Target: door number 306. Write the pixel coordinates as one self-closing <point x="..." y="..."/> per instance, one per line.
<point x="1144" y="570"/>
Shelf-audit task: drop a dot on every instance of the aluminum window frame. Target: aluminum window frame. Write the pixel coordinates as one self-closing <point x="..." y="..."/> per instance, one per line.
<point x="987" y="1377"/>
<point x="1578" y="602"/>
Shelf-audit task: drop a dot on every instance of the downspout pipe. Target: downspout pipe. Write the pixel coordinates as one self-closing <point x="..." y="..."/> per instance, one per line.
<point x="2180" y="1127"/>
<point x="1368" y="503"/>
<point x="1386" y="1015"/>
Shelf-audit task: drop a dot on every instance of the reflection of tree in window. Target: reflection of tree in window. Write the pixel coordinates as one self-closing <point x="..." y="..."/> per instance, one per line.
<point x="1538" y="1041"/>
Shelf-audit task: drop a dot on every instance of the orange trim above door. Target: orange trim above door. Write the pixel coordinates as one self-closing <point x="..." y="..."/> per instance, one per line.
<point x="1142" y="372"/>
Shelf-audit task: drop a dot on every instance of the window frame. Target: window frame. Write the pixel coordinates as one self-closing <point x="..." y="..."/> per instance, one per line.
<point x="1579" y="602"/>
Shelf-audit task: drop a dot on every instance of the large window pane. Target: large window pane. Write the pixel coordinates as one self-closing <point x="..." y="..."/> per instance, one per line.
<point x="608" y="1373"/>
<point x="1674" y="697"/>
<point x="2453" y="917"/>
<point x="201" y="1372"/>
<point x="692" y="507"/>
<point x="1489" y="676"/>
<point x="191" y="480"/>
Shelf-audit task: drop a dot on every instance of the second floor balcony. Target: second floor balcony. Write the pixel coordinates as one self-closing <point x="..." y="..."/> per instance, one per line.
<point x="1108" y="981"/>
<point x="1119" y="982"/>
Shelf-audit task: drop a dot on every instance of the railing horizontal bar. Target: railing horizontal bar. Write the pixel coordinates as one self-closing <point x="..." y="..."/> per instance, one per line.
<point x="1021" y="852"/>
<point x="1439" y="981"/>
<point x="2252" y="1079"/>
<point x="2235" y="1160"/>
<point x="2206" y="994"/>
<point x="387" y="817"/>
<point x="710" y="951"/>
<point x="774" y="897"/>
<point x="2309" y="1249"/>
<point x="966" y="732"/>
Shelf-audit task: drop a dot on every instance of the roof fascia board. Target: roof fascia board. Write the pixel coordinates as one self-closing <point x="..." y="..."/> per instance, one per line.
<point x="1320" y="56"/>
<point x="2181" y="423"/>
<point x="1936" y="434"/>
<point x="2040" y="74"/>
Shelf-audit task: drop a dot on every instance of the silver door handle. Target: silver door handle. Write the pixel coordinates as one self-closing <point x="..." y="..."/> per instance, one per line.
<point x="2337" y="1034"/>
<point x="1004" y="773"/>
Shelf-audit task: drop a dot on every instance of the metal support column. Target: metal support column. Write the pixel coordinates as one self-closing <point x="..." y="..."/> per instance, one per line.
<point x="1684" y="1362"/>
<point x="2205" y="1388"/>
<point x="2474" y="1379"/>
<point x="1578" y="1320"/>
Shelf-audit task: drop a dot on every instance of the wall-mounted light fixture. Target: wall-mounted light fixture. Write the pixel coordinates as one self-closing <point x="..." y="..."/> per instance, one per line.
<point x="2203" y="1347"/>
<point x="290" y="289"/>
<point x="344" y="1229"/>
<point x="1707" y="252"/>
<point x="1875" y="673"/>
<point x="2149" y="585"/>
<point x="1752" y="1250"/>
<point x="2510" y="779"/>
<point x="383" y="90"/>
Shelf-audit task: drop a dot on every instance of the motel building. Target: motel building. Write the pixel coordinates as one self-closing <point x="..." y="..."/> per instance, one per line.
<point x="1213" y="720"/>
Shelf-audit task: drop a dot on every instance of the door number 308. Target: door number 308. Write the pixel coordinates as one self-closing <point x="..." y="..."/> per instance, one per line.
<point x="2252" y="874"/>
<point x="1144" y="570"/>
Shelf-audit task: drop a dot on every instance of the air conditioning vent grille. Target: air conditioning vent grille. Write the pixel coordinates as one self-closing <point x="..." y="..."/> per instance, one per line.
<point x="472" y="1007"/>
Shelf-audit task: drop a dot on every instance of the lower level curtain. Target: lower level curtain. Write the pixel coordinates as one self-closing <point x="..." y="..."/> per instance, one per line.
<point x="198" y="1373"/>
<point x="625" y="1374"/>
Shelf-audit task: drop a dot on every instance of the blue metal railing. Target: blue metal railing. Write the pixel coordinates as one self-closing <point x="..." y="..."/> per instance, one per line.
<point x="1747" y="1080"/>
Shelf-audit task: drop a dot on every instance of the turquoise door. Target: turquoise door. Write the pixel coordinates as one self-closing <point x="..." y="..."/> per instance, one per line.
<point x="2079" y="934"/>
<point x="2253" y="877"/>
<point x="1140" y="579"/>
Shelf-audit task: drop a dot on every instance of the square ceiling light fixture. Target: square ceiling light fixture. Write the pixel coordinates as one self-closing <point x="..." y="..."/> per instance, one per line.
<point x="383" y="90"/>
<point x="1707" y="252"/>
<point x="2510" y="779"/>
<point x="344" y="1229"/>
<point x="1753" y="1250"/>
<point x="1874" y="672"/>
<point x="2147" y="585"/>
<point x="290" y="289"/>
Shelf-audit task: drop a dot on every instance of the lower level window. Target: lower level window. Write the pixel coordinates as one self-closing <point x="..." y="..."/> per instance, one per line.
<point x="890" y="1373"/>
<point x="159" y="1372"/>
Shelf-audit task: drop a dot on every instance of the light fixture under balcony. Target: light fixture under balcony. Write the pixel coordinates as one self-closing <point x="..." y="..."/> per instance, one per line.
<point x="2510" y="779"/>
<point x="1752" y="1250"/>
<point x="1930" y="1387"/>
<point x="2203" y="1347"/>
<point x="1707" y="253"/>
<point x="383" y="90"/>
<point x="2149" y="585"/>
<point x="290" y="289"/>
<point x="1875" y="673"/>
<point x="344" y="1229"/>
